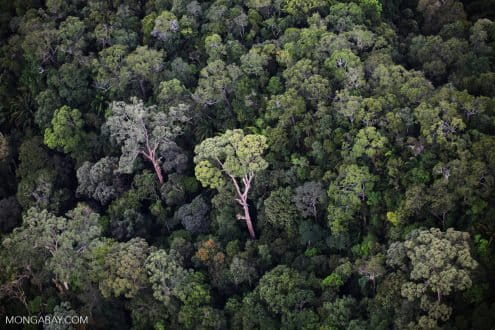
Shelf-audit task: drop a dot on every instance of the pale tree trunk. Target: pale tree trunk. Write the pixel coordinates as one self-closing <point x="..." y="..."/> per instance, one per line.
<point x="158" y="170"/>
<point x="62" y="287"/>
<point x="243" y="201"/>
<point x="249" y="224"/>
<point x="150" y="154"/>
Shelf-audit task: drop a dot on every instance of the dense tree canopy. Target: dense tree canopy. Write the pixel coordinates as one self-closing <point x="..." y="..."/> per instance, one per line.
<point x="259" y="164"/>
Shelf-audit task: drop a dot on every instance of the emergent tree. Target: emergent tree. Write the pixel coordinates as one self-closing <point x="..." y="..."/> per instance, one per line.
<point x="235" y="155"/>
<point x="145" y="131"/>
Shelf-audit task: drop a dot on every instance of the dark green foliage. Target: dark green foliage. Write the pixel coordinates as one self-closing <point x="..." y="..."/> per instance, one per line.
<point x="10" y="214"/>
<point x="353" y="139"/>
<point x="42" y="179"/>
<point x="279" y="209"/>
<point x="193" y="216"/>
<point x="99" y="180"/>
<point x="310" y="198"/>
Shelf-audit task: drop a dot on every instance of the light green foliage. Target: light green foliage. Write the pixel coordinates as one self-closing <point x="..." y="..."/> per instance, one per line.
<point x="368" y="142"/>
<point x="148" y="23"/>
<point x="371" y="8"/>
<point x="408" y="86"/>
<point x="232" y="153"/>
<point x="348" y="105"/>
<point x="259" y="4"/>
<point x="172" y="92"/>
<point x="204" y="317"/>
<point x="346" y="68"/>
<point x="303" y="43"/>
<point x="107" y="68"/>
<point x="304" y="78"/>
<point x="333" y="280"/>
<point x="372" y="268"/>
<point x="72" y="35"/>
<point x="142" y="66"/>
<point x="209" y="175"/>
<point x="123" y="268"/>
<point x="66" y="131"/>
<point x="166" y="26"/>
<point x="303" y="7"/>
<point x="62" y="240"/>
<point x="442" y="259"/>
<point x="242" y="271"/>
<point x="71" y="82"/>
<point x="254" y="62"/>
<point x="285" y="108"/>
<point x="280" y="210"/>
<point x="297" y="73"/>
<point x="334" y="131"/>
<point x="283" y="288"/>
<point x="339" y="312"/>
<point x="216" y="81"/>
<point x="274" y="86"/>
<point x="366" y="247"/>
<point x="214" y="47"/>
<point x="439" y="263"/>
<point x="188" y="26"/>
<point x="371" y="110"/>
<point x="47" y="102"/>
<point x="481" y="245"/>
<point x="393" y="218"/>
<point x="195" y="292"/>
<point x="166" y="274"/>
<point x="338" y="277"/>
<point x="441" y="117"/>
<point x="360" y="39"/>
<point x="345" y="16"/>
<point x="346" y="195"/>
